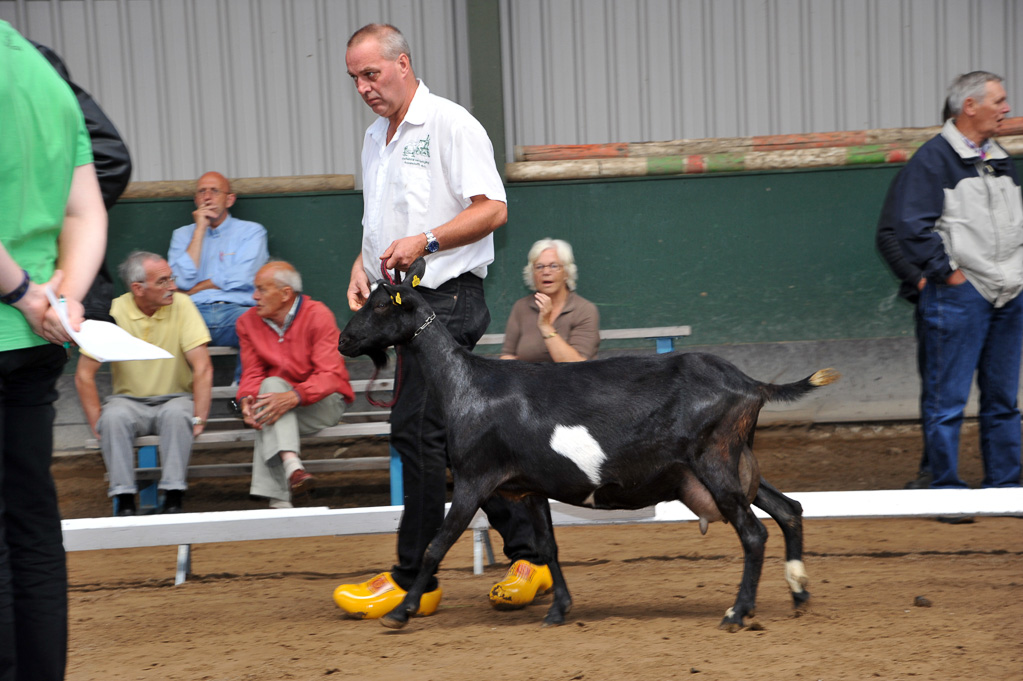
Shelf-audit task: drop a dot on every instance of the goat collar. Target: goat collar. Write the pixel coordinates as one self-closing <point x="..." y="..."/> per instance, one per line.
<point x="429" y="320"/>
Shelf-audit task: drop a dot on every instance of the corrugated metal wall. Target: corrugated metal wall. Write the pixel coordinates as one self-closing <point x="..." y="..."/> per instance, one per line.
<point x="593" y="71"/>
<point x="248" y="87"/>
<point x="259" y="87"/>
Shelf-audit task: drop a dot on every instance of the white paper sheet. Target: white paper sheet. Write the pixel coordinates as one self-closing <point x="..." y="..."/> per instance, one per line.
<point x="104" y="341"/>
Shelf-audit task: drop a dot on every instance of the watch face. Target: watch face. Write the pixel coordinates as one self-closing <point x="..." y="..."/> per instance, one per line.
<point x="432" y="247"/>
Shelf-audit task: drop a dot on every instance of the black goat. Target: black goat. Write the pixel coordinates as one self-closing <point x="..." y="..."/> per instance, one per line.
<point x="624" y="432"/>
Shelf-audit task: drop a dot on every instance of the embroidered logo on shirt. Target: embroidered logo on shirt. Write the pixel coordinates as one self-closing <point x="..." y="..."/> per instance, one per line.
<point x="417" y="153"/>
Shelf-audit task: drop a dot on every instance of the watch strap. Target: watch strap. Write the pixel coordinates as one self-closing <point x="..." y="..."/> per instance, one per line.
<point x="17" y="294"/>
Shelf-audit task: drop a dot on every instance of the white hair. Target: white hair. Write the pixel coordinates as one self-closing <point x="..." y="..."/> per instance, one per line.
<point x="133" y="269"/>
<point x="564" y="252"/>
<point x="287" y="276"/>
<point x="972" y="85"/>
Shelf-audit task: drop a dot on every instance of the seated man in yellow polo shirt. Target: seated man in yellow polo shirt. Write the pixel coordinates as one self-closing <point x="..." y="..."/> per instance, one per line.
<point x="165" y="397"/>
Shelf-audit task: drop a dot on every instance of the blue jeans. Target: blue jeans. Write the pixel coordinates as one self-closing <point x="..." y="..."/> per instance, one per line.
<point x="965" y="333"/>
<point x="220" y="319"/>
<point x="921" y="368"/>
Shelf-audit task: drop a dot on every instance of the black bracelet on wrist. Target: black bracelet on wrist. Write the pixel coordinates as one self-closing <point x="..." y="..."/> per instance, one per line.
<point x="18" y="293"/>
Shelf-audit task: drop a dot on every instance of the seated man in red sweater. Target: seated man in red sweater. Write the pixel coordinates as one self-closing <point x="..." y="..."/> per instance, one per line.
<point x="293" y="381"/>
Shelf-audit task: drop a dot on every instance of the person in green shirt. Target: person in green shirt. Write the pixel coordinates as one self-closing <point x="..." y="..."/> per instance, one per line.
<point x="52" y="229"/>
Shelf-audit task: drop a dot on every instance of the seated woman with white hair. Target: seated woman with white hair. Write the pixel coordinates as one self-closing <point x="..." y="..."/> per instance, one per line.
<point x="555" y="324"/>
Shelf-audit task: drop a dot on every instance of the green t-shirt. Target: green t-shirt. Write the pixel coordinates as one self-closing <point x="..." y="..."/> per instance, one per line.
<point x="43" y="138"/>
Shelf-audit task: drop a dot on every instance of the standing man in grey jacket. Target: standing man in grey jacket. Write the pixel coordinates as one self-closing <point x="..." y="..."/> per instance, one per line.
<point x="958" y="215"/>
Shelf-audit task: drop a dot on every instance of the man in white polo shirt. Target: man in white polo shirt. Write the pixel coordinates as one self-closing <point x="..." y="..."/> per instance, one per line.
<point x="430" y="188"/>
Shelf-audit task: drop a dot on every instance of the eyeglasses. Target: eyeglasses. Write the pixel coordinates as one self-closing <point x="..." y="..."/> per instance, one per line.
<point x="212" y="191"/>
<point x="553" y="267"/>
<point x="162" y="282"/>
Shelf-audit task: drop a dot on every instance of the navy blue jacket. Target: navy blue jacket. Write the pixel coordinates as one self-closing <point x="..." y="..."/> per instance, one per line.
<point x="950" y="210"/>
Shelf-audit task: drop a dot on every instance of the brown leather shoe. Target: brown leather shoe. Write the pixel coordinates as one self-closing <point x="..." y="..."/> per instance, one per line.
<point x="301" y="481"/>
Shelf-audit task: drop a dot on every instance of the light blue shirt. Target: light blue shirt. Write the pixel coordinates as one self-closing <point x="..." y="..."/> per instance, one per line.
<point x="231" y="255"/>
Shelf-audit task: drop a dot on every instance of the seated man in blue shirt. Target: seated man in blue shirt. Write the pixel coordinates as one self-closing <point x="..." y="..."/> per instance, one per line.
<point x="215" y="259"/>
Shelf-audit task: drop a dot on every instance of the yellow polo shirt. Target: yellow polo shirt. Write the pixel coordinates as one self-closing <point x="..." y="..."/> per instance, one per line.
<point x="177" y="328"/>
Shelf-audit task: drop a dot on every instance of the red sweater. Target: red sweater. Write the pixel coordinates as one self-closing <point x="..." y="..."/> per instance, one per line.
<point x="306" y="357"/>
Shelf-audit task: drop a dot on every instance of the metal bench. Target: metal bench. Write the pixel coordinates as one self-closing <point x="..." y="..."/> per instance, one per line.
<point x="148" y="467"/>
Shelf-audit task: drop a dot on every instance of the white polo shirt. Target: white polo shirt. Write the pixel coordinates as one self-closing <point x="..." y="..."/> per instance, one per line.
<point x="439" y="157"/>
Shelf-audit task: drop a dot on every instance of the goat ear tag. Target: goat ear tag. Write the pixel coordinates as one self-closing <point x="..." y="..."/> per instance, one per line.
<point x="415" y="280"/>
<point x="397" y="299"/>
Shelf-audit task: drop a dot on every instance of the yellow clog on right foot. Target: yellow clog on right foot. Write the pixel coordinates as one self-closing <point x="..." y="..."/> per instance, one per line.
<point x="522" y="583"/>
<point x="377" y="597"/>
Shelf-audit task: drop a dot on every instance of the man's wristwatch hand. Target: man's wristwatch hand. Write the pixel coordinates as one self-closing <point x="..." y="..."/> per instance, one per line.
<point x="432" y="245"/>
<point x="198" y="421"/>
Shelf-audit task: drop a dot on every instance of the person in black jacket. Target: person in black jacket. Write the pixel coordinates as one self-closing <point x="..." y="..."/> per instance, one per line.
<point x="911" y="282"/>
<point x="957" y="214"/>
<point x="113" y="170"/>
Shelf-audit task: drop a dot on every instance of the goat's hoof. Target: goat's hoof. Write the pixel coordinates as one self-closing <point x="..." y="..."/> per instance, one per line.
<point x="394" y="621"/>
<point x="731" y="626"/>
<point x="733" y="621"/>
<point x="800" y="600"/>
<point x="555" y="616"/>
<point x="553" y="620"/>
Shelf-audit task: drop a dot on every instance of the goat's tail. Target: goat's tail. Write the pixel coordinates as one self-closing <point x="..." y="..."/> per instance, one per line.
<point x="788" y="392"/>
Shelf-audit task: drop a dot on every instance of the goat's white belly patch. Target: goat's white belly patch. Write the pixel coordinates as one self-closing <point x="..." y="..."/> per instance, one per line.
<point x="576" y="443"/>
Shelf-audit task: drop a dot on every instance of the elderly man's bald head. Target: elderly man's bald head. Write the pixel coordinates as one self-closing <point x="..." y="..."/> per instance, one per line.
<point x="278" y="283"/>
<point x="283" y="274"/>
<point x="213" y="195"/>
<point x="214" y="178"/>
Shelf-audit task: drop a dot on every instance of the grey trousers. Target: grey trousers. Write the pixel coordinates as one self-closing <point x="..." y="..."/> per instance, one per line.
<point x="285" y="436"/>
<point x="123" y="418"/>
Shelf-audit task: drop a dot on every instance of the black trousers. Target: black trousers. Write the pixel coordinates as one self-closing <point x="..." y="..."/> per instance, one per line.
<point x="418" y="433"/>
<point x="33" y="572"/>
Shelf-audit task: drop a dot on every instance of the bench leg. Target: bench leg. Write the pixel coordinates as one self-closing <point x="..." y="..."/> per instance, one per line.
<point x="397" y="489"/>
<point x="481" y="544"/>
<point x="148" y="495"/>
<point x="184" y="564"/>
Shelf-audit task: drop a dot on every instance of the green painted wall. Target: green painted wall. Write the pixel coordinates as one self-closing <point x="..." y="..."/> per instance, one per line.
<point x="743" y="258"/>
<point x="320" y="234"/>
<point x="752" y="257"/>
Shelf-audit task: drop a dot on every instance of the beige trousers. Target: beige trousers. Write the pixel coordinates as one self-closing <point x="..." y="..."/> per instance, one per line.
<point x="285" y="436"/>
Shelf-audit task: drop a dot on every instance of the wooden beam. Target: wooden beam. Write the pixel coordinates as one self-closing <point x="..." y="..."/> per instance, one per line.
<point x="741" y="145"/>
<point x="243" y="186"/>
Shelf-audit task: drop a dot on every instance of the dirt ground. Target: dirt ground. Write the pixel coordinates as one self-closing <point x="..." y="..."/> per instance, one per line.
<point x="647" y="599"/>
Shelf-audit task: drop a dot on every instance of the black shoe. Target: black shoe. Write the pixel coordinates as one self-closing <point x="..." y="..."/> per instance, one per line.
<point x="172" y="500"/>
<point x="923" y="481"/>
<point x="125" y="505"/>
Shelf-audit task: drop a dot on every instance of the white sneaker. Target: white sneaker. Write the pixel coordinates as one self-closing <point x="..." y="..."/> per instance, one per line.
<point x="280" y="503"/>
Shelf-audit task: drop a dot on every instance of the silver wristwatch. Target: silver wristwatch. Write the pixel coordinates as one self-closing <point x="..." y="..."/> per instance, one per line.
<point x="432" y="245"/>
